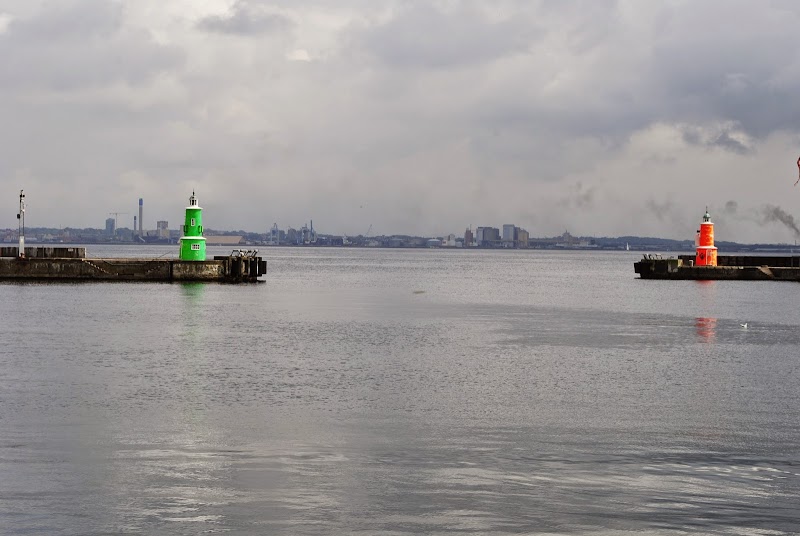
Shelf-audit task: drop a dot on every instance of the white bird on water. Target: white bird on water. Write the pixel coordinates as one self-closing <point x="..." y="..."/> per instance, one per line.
<point x="744" y="326"/>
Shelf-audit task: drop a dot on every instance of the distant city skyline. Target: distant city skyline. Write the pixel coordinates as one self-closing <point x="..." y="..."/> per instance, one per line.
<point x="604" y="118"/>
<point x="481" y="237"/>
<point x="769" y="214"/>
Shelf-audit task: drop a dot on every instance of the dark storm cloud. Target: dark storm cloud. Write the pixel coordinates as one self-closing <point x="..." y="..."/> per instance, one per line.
<point x="723" y="140"/>
<point x="578" y="73"/>
<point x="421" y="35"/>
<point x="688" y="73"/>
<point x="246" y="17"/>
<point x="77" y="45"/>
<point x="707" y="63"/>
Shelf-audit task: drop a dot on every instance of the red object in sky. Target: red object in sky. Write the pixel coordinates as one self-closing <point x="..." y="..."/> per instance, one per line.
<point x="798" y="172"/>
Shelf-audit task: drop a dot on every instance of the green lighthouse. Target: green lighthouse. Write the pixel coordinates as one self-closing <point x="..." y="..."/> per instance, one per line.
<point x="193" y="244"/>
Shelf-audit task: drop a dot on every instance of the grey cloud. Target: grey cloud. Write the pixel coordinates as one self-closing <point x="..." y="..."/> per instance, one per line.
<point x="579" y="197"/>
<point x="67" y="21"/>
<point x="727" y="214"/>
<point x="687" y="74"/>
<point x="78" y="45"/>
<point x="421" y="35"/>
<point x="661" y="210"/>
<point x="668" y="212"/>
<point x="708" y="64"/>
<point x="245" y="18"/>
<point x="623" y="88"/>
<point x="723" y="139"/>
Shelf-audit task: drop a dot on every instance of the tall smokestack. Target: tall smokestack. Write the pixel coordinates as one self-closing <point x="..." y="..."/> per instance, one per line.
<point x="141" y="204"/>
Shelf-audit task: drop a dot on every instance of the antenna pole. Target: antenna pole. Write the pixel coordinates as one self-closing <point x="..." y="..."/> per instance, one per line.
<point x="21" y="223"/>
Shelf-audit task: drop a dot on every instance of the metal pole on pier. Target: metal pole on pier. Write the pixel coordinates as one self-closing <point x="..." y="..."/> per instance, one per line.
<point x="21" y="218"/>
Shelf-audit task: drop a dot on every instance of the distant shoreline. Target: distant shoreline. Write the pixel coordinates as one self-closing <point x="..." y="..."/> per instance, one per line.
<point x="639" y="248"/>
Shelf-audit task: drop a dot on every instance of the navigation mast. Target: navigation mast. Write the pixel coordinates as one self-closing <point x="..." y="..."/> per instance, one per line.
<point x="21" y="223"/>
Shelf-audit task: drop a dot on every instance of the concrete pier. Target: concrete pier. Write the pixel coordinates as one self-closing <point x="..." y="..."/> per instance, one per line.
<point x="239" y="267"/>
<point x="729" y="267"/>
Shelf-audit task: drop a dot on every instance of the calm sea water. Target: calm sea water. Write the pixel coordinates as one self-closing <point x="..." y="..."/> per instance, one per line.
<point x="402" y="392"/>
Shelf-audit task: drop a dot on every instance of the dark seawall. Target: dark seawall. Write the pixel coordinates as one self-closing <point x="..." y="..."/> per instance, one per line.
<point x="734" y="267"/>
<point x="38" y="264"/>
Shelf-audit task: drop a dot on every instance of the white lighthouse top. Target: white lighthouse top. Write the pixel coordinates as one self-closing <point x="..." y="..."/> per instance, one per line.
<point x="193" y="201"/>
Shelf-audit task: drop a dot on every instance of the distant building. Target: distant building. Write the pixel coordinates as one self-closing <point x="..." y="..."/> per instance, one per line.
<point x="307" y="235"/>
<point x="274" y="235"/>
<point x="450" y="242"/>
<point x="479" y="232"/>
<point x="487" y="237"/>
<point x="111" y="226"/>
<point x="468" y="238"/>
<point x="566" y="240"/>
<point x="523" y="238"/>
<point x="509" y="235"/>
<point x="291" y="235"/>
<point x="162" y="229"/>
<point x="124" y="234"/>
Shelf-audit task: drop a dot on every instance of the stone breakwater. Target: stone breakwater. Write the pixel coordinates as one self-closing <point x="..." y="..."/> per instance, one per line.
<point x="67" y="264"/>
<point x="741" y="267"/>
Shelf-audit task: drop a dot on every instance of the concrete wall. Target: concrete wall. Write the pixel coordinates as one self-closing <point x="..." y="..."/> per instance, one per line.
<point x="47" y="252"/>
<point x="669" y="269"/>
<point x="115" y="270"/>
<point x="223" y="269"/>
<point x="198" y="270"/>
<point x="784" y="261"/>
<point x="33" y="268"/>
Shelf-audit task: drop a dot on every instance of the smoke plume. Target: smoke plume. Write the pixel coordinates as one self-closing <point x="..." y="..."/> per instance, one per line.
<point x="660" y="210"/>
<point x="579" y="197"/>
<point x="772" y="213"/>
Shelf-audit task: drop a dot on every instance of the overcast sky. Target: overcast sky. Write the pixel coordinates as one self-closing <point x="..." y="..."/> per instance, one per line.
<point x="599" y="117"/>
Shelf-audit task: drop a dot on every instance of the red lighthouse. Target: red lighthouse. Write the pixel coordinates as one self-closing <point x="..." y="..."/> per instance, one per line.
<point x="706" y="252"/>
